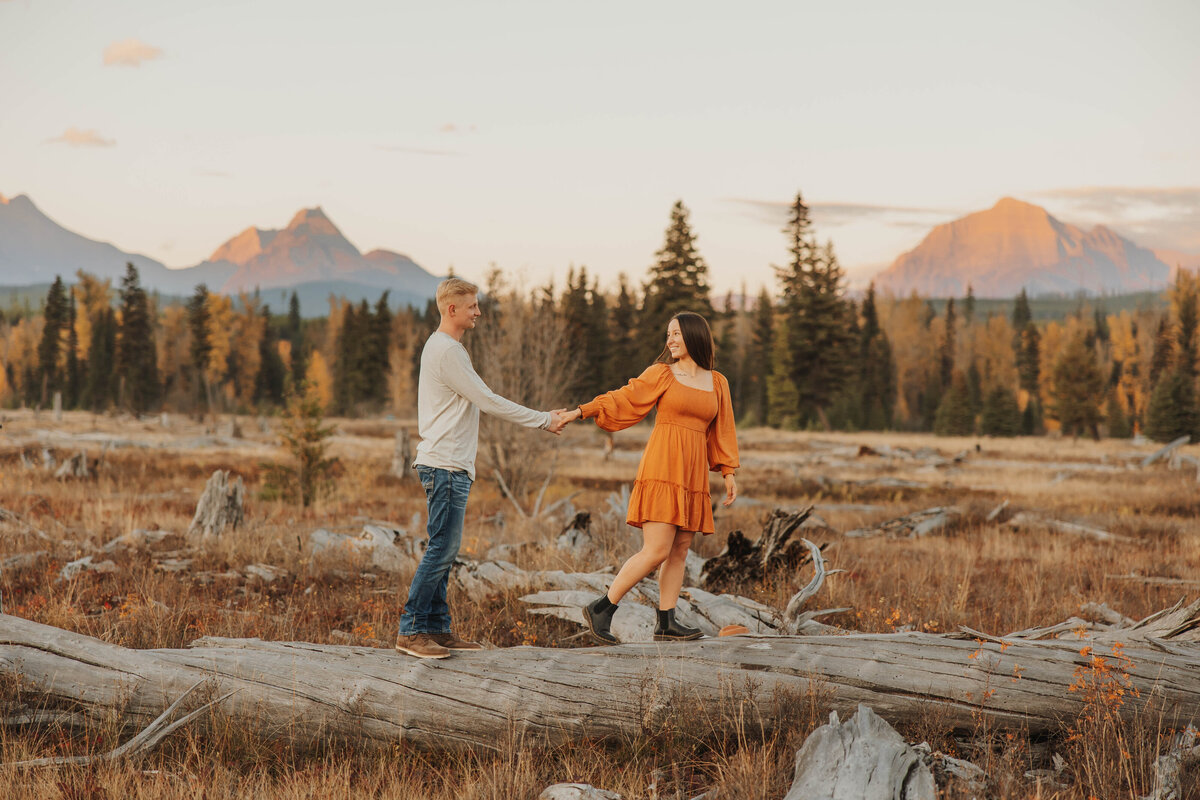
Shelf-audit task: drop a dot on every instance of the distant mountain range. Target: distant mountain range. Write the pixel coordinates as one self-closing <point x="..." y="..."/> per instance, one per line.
<point x="1015" y="245"/>
<point x="310" y="255"/>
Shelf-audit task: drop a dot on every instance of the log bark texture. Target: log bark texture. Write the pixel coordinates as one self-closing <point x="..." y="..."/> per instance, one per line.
<point x="308" y="694"/>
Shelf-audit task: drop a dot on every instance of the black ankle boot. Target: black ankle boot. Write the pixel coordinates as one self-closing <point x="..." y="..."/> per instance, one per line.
<point x="669" y="629"/>
<point x="599" y="614"/>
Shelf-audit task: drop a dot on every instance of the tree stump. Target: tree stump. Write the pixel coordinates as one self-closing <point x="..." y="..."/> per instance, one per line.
<point x="861" y="759"/>
<point x="220" y="506"/>
<point x="402" y="455"/>
<point x="74" y="467"/>
<point x="743" y="562"/>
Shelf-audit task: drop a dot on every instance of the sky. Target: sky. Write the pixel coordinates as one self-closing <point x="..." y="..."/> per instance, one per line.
<point x="541" y="135"/>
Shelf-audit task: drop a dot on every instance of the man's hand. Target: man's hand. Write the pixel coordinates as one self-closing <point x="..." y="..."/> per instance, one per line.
<point x="559" y="418"/>
<point x="730" y="491"/>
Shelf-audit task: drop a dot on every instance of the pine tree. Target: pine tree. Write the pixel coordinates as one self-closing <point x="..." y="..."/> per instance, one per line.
<point x="818" y="317"/>
<point x="50" y="348"/>
<point x="758" y="356"/>
<point x="876" y="370"/>
<point x="597" y="343"/>
<point x="574" y="311"/>
<point x="74" y="377"/>
<point x="271" y="380"/>
<point x="969" y="306"/>
<point x="1029" y="360"/>
<point x="200" y="347"/>
<point x="975" y="387"/>
<point x="294" y="333"/>
<point x="1078" y="386"/>
<point x="99" y="383"/>
<point x="1021" y="315"/>
<point x="947" y="346"/>
<point x="1000" y="416"/>
<point x="783" y="401"/>
<point x="677" y="282"/>
<point x="622" y="361"/>
<point x="1163" y="355"/>
<point x="954" y="417"/>
<point x="375" y="367"/>
<point x="1117" y="421"/>
<point x="136" y="358"/>
<point x="1172" y="411"/>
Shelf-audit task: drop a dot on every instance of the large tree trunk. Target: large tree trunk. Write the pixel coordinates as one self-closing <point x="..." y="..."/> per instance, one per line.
<point x="307" y="693"/>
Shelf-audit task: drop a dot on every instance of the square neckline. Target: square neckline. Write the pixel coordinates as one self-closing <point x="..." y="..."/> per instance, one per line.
<point x="712" y="374"/>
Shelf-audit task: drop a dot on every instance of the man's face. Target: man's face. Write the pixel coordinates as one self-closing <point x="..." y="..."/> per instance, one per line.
<point x="465" y="312"/>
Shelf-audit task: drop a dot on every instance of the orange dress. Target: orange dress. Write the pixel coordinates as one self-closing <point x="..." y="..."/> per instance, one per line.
<point x="693" y="433"/>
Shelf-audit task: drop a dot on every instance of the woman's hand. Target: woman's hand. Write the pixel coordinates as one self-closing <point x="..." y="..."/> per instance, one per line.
<point x="730" y="490"/>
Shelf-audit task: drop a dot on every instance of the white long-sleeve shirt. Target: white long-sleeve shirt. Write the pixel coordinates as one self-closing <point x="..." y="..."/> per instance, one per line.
<point x="450" y="395"/>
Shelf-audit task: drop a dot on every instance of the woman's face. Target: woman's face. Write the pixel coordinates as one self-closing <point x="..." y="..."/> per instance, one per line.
<point x="675" y="341"/>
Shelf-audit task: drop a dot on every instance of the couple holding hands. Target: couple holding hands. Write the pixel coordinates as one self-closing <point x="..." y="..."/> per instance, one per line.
<point x="693" y="434"/>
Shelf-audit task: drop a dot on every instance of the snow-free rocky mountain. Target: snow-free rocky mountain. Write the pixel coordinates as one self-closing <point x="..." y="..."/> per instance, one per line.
<point x="310" y="255"/>
<point x="1015" y="245"/>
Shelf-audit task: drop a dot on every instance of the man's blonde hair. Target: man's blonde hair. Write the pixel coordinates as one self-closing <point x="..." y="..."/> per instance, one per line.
<point x="452" y="288"/>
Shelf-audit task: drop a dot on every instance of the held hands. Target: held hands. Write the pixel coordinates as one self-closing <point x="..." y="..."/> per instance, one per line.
<point x="730" y="491"/>
<point x="560" y="417"/>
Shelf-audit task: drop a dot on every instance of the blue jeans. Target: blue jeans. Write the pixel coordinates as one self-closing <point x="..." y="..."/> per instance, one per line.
<point x="426" y="610"/>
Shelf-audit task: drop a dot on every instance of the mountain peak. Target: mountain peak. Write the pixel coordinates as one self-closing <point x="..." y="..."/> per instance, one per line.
<point x="309" y="216"/>
<point x="1015" y="245"/>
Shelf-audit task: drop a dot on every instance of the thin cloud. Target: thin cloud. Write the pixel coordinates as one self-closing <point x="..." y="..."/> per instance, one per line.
<point x="834" y="215"/>
<point x="81" y="138"/>
<point x="1152" y="216"/>
<point x="130" y="53"/>
<point x="416" y="151"/>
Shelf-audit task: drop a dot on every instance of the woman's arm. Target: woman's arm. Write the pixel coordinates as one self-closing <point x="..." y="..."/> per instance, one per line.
<point x="629" y="405"/>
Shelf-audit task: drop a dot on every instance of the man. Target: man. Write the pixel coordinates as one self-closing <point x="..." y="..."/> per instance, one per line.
<point x="450" y="396"/>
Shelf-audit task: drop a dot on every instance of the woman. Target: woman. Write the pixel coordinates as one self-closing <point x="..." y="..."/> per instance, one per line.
<point x="693" y="434"/>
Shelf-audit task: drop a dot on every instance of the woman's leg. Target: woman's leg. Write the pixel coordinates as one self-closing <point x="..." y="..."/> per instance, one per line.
<point x="657" y="540"/>
<point x="670" y="574"/>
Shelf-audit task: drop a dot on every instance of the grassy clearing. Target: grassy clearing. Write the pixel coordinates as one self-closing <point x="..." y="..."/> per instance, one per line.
<point x="977" y="573"/>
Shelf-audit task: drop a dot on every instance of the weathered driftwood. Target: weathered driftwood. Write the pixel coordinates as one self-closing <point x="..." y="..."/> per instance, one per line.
<point x="576" y="791"/>
<point x="1183" y="754"/>
<point x="309" y="694"/>
<point x="918" y="523"/>
<point x="863" y="758"/>
<point x="1156" y="580"/>
<point x="1165" y="452"/>
<point x="1026" y="519"/>
<point x="385" y="546"/>
<point x="220" y="506"/>
<point x="74" y="467"/>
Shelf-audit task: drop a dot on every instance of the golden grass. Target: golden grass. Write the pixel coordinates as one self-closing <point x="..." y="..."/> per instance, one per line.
<point x="976" y="573"/>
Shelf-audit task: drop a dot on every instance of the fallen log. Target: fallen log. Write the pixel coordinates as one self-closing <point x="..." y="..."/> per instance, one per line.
<point x="307" y="694"/>
<point x="918" y="523"/>
<point x="1165" y="452"/>
<point x="1025" y="519"/>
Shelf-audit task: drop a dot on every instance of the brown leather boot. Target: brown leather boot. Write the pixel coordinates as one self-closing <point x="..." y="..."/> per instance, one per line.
<point x="452" y="641"/>
<point x="421" y="645"/>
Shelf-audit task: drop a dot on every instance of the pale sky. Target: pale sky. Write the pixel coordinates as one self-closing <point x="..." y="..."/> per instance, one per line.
<point x="537" y="135"/>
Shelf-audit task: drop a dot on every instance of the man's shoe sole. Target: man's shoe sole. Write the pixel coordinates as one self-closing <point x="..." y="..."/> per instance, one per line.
<point x="660" y="637"/>
<point x="414" y="653"/>
<point x="463" y="649"/>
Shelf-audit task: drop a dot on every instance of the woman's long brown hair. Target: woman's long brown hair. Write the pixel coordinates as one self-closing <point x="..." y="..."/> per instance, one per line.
<point x="697" y="338"/>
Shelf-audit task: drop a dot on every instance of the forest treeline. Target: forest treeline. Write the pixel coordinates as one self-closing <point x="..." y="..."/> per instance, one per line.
<point x="801" y="353"/>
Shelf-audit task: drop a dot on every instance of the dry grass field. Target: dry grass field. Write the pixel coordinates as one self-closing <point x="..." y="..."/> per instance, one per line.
<point x="981" y="574"/>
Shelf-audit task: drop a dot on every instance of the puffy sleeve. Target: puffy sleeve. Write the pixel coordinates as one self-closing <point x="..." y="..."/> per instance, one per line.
<point x="722" y="432"/>
<point x="629" y="405"/>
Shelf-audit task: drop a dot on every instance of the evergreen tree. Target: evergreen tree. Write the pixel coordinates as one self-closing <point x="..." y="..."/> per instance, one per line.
<point x="99" y="384"/>
<point x="271" y="380"/>
<point x="1021" y="315"/>
<point x="74" y="377"/>
<point x="294" y="333"/>
<point x="946" y="350"/>
<point x="597" y="344"/>
<point x="969" y="306"/>
<point x="348" y="378"/>
<point x="783" y="401"/>
<point x="376" y="366"/>
<point x="1001" y="416"/>
<point x="1029" y="368"/>
<point x="1117" y="421"/>
<point x="1186" y="302"/>
<point x="758" y="357"/>
<point x="622" y="362"/>
<point x="1031" y="417"/>
<point x="1078" y="386"/>
<point x="200" y="347"/>
<point x="56" y="316"/>
<point x="678" y="282"/>
<point x="574" y="311"/>
<point x="876" y="383"/>
<point x="818" y="319"/>
<point x="1172" y="411"/>
<point x="1163" y="355"/>
<point x="136" y="358"/>
<point x="954" y="417"/>
<point x="975" y="388"/>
